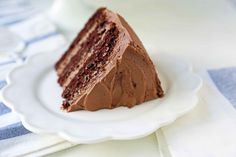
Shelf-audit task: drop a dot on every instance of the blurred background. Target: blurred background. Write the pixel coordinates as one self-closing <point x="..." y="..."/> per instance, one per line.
<point x="194" y="29"/>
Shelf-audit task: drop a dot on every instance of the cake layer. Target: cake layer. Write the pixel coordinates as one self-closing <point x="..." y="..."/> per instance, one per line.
<point x="83" y="53"/>
<point x="94" y="65"/>
<point x="78" y="41"/>
<point x="107" y="67"/>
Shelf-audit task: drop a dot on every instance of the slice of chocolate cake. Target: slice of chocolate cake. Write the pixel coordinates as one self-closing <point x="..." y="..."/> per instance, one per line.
<point x="106" y="66"/>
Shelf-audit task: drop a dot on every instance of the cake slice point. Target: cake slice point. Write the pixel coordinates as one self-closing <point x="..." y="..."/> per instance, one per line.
<point x="106" y="67"/>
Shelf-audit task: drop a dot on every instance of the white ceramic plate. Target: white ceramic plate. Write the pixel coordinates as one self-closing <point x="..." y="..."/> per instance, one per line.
<point x="33" y="93"/>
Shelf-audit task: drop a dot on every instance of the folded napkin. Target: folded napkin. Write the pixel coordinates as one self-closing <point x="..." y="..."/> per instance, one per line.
<point x="210" y="129"/>
<point x="39" y="35"/>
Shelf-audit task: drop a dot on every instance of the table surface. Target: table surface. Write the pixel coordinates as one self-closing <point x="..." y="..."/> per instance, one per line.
<point x="201" y="32"/>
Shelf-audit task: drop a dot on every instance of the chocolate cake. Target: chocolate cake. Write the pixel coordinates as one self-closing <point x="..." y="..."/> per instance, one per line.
<point x="106" y="66"/>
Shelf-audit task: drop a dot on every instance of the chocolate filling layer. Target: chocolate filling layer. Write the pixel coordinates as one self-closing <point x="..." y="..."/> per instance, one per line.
<point x="94" y="65"/>
<point x="96" y="18"/>
<point x="86" y="47"/>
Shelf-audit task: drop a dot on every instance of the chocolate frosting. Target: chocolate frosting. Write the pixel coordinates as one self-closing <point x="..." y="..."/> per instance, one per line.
<point x="128" y="79"/>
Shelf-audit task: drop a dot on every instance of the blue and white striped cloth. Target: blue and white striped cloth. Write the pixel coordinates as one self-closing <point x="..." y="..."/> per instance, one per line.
<point x="39" y="35"/>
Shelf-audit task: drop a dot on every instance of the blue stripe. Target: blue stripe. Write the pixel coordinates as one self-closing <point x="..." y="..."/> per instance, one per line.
<point x="15" y="21"/>
<point x="41" y="38"/>
<point x="20" y="12"/>
<point x="7" y="62"/>
<point x="27" y="11"/>
<point x="2" y="83"/>
<point x="4" y="109"/>
<point x="18" y="20"/>
<point x="234" y="3"/>
<point x="225" y="81"/>
<point x="13" y="130"/>
<point x="34" y="40"/>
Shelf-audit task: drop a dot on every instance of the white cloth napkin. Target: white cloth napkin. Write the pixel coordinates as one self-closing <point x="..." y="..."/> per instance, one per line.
<point x="210" y="129"/>
<point x="39" y="35"/>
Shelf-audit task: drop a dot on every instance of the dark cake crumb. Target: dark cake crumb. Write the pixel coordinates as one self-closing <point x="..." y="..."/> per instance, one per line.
<point x="94" y="64"/>
<point x="65" y="104"/>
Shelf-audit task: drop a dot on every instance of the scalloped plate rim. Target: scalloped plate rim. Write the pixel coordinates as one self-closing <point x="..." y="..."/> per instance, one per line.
<point x="63" y="133"/>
